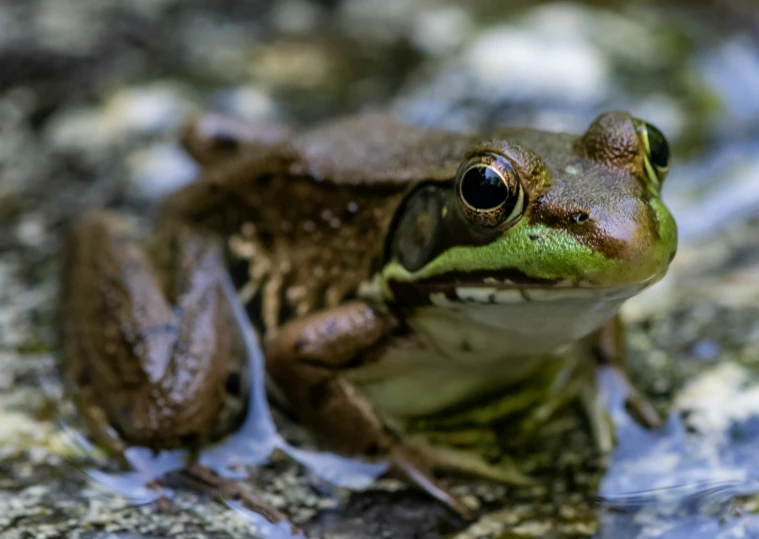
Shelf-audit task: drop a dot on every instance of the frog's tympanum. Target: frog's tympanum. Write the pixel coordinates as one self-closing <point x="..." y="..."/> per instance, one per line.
<point x="405" y="282"/>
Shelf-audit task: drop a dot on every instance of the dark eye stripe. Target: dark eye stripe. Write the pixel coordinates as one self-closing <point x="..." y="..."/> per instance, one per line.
<point x="658" y="147"/>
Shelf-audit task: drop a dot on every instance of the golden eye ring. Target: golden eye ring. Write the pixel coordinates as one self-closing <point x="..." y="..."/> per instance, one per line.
<point x="489" y="191"/>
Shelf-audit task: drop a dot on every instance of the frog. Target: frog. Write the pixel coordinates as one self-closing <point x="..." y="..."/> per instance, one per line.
<point x="400" y="277"/>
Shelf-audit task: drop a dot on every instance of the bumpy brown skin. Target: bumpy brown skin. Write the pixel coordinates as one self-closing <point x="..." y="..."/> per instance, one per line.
<point x="147" y="343"/>
<point x="310" y="215"/>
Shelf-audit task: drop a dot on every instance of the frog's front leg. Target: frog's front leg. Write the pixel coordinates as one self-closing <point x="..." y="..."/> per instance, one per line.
<point x="614" y="396"/>
<point x="305" y="358"/>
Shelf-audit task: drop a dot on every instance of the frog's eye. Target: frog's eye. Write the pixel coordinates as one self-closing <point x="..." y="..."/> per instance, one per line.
<point x="656" y="150"/>
<point x="489" y="191"/>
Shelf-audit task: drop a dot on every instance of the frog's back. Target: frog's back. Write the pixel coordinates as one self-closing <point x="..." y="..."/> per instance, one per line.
<point x="378" y="149"/>
<point x="310" y="213"/>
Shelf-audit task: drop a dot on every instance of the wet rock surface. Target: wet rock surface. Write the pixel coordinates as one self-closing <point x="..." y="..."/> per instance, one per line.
<point x="91" y="96"/>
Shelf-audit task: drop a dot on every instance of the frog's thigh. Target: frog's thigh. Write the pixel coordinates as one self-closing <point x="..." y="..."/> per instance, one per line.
<point x="305" y="358"/>
<point x="78" y="336"/>
<point x="157" y="368"/>
<point x="614" y="389"/>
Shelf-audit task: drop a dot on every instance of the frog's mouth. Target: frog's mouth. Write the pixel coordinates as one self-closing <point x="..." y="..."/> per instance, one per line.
<point x="513" y="287"/>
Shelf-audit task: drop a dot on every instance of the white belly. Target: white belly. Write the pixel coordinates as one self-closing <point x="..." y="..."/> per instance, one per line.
<point x="464" y="350"/>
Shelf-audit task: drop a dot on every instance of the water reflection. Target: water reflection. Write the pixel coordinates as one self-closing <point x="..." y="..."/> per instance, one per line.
<point x="679" y="484"/>
<point x="264" y="528"/>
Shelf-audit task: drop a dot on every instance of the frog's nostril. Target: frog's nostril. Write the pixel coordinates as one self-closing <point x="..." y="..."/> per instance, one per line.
<point x="579" y="217"/>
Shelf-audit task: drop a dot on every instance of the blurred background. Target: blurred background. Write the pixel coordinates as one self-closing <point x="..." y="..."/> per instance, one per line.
<point x="92" y="94"/>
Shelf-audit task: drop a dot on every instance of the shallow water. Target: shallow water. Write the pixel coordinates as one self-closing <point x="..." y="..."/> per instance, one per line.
<point x="685" y="484"/>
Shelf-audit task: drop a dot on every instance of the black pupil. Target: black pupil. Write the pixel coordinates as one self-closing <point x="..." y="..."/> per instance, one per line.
<point x="483" y="189"/>
<point x="658" y="146"/>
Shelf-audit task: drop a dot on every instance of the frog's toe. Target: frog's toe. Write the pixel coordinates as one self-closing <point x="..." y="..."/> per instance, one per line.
<point x="415" y="460"/>
<point x="601" y="423"/>
<point x="623" y="400"/>
<point x="642" y="411"/>
<point x="414" y="467"/>
<point x="468" y="463"/>
<point x="615" y="401"/>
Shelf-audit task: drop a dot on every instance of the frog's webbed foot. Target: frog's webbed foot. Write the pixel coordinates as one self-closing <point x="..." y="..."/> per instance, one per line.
<point x="614" y="400"/>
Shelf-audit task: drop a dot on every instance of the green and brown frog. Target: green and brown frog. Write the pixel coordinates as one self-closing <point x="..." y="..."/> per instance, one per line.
<point x="400" y="277"/>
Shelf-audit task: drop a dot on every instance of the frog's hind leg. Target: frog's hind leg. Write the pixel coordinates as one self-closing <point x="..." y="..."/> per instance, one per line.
<point x="614" y="398"/>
